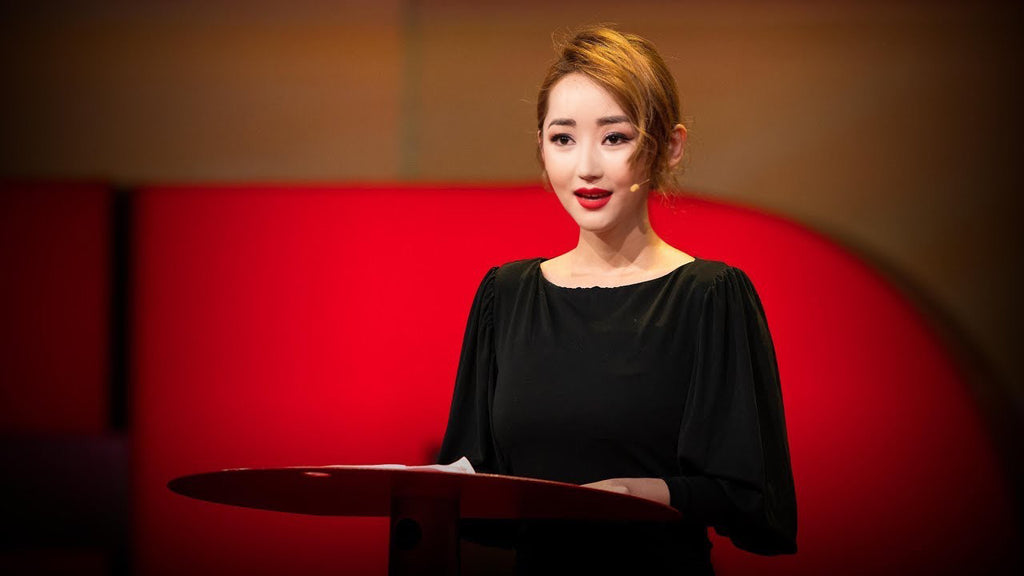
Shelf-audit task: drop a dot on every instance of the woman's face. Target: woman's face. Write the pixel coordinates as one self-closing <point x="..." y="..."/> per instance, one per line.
<point x="586" y="141"/>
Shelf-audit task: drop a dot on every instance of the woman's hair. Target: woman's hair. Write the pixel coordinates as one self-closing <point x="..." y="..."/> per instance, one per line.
<point x="630" y="69"/>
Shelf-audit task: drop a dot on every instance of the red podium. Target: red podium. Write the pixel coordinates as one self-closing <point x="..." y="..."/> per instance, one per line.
<point x="424" y="505"/>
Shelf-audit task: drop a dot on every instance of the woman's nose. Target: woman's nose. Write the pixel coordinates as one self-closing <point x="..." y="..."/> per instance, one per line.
<point x="589" y="167"/>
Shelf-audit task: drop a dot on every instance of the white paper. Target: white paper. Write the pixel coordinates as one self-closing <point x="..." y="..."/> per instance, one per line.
<point x="460" y="466"/>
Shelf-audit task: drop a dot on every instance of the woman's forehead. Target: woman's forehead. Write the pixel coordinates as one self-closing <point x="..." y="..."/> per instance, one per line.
<point x="579" y="98"/>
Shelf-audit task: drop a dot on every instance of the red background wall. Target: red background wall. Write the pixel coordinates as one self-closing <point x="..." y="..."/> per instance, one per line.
<point x="63" y="467"/>
<point x="303" y="325"/>
<point x="54" y="267"/>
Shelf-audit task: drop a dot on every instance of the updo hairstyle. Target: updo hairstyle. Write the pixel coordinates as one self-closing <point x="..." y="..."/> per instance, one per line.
<point x="630" y="69"/>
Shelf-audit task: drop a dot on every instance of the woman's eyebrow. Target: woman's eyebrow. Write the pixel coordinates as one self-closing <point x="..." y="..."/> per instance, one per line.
<point x="562" y="122"/>
<point x="613" y="120"/>
<point x="604" y="121"/>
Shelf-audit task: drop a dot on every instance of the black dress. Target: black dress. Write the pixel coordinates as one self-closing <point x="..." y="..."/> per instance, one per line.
<point x="671" y="378"/>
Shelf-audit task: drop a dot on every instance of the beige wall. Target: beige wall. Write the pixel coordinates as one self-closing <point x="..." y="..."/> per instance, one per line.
<point x="890" y="126"/>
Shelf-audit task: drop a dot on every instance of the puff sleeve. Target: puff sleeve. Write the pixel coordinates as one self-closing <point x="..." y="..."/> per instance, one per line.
<point x="469" y="421"/>
<point x="732" y="449"/>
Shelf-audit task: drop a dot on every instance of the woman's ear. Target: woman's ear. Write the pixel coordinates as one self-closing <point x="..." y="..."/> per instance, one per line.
<point x="543" y="170"/>
<point x="676" y="144"/>
<point x="546" y="182"/>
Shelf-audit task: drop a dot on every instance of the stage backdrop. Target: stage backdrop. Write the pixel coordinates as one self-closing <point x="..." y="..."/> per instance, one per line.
<point x="280" y="326"/>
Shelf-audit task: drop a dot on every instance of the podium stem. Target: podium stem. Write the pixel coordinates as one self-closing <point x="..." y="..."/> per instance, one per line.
<point x="424" y="536"/>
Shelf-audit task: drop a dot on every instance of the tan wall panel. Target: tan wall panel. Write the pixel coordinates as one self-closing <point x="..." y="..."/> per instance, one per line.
<point x="891" y="126"/>
<point x="146" y="92"/>
<point x="885" y="125"/>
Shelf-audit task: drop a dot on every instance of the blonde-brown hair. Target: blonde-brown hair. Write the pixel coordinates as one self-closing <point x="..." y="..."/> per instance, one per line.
<point x="630" y="69"/>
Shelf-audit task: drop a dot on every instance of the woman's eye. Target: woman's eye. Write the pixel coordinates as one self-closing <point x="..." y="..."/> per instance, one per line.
<point x="562" y="139"/>
<point x="616" y="138"/>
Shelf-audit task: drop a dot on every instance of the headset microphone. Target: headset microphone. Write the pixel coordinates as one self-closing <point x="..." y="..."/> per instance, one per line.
<point x="636" y="186"/>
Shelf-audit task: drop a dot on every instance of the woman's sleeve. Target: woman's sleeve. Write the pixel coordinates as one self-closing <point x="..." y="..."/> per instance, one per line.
<point x="469" y="421"/>
<point x="732" y="449"/>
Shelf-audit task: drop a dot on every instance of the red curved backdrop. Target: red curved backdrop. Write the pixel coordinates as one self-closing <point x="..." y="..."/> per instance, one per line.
<point x="314" y="325"/>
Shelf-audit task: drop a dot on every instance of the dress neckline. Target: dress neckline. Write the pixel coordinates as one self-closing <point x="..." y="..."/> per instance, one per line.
<point x="664" y="276"/>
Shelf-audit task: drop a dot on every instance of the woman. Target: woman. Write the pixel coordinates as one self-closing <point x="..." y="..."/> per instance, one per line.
<point x="624" y="364"/>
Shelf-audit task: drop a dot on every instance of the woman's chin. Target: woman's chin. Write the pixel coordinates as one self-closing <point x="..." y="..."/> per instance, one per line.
<point x="594" y="223"/>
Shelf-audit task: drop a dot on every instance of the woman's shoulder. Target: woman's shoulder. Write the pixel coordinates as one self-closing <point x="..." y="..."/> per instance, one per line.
<point x="503" y="272"/>
<point x="710" y="271"/>
<point x="521" y="265"/>
<point x="724" y="284"/>
<point x="716" y="277"/>
<point x="517" y="270"/>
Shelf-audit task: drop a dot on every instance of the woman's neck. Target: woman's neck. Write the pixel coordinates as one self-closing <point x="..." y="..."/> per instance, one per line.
<point x="625" y="248"/>
<point x="616" y="257"/>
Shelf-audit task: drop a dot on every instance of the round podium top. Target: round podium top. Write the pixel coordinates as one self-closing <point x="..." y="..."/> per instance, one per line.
<point x="369" y="491"/>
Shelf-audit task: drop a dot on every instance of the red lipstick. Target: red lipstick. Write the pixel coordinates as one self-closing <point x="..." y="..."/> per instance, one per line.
<point x="592" y="198"/>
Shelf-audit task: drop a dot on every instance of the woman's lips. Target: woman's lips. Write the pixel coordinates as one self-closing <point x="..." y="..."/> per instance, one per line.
<point x="592" y="198"/>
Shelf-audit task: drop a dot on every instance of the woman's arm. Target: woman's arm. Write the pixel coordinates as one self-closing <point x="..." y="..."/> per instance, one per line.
<point x="743" y="488"/>
<point x="469" y="420"/>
